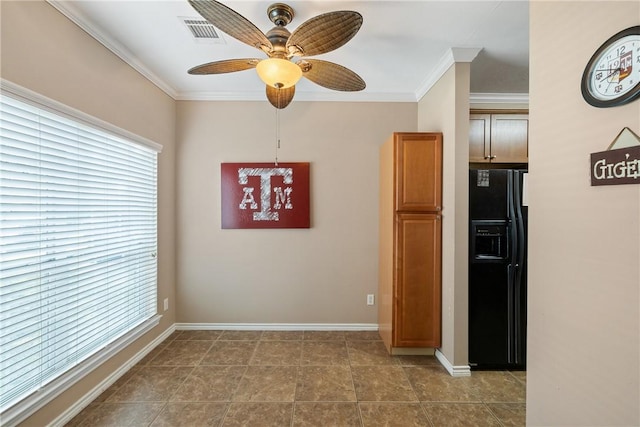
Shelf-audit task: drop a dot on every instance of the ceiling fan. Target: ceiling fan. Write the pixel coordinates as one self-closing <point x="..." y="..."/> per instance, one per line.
<point x="318" y="35"/>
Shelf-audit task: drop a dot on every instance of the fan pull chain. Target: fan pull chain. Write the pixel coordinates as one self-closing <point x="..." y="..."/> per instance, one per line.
<point x="277" y="129"/>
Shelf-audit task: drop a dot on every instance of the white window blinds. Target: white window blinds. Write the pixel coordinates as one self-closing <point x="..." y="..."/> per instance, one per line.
<point x="77" y="244"/>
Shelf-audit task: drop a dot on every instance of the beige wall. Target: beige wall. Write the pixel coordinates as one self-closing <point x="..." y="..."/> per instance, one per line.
<point x="584" y="245"/>
<point x="296" y="276"/>
<point x="445" y="108"/>
<point x="45" y="52"/>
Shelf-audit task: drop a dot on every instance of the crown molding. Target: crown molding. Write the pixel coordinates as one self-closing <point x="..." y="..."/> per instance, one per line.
<point x="499" y="98"/>
<point x="464" y="54"/>
<point x="68" y="10"/>
<point x="453" y="55"/>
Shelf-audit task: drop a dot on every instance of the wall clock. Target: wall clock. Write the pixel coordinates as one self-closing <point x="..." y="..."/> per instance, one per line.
<point x="612" y="75"/>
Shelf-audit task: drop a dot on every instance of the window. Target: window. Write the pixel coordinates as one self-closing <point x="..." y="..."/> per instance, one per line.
<point x="78" y="243"/>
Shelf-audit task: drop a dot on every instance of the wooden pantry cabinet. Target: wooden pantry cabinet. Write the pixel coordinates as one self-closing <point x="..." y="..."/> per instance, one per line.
<point x="498" y="137"/>
<point x="410" y="230"/>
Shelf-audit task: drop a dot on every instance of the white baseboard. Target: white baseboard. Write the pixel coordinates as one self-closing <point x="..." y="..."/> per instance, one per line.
<point x="454" y="371"/>
<point x="83" y="402"/>
<point x="278" y="326"/>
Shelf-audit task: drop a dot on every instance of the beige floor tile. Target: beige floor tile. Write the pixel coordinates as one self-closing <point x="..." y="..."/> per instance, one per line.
<point x="324" y="353"/>
<point x="153" y="353"/>
<point x="369" y="353"/>
<point x="210" y="383"/>
<point x="191" y="414"/>
<point x="285" y="353"/>
<point x="324" y="335"/>
<point x="295" y="378"/>
<point x="416" y="360"/>
<point x="172" y="337"/>
<point x="122" y="414"/>
<point x="434" y="384"/>
<point x="282" y="335"/>
<point x="82" y="415"/>
<point x="241" y="335"/>
<point x="152" y="383"/>
<point x="393" y="415"/>
<point x="182" y="353"/>
<point x="520" y="376"/>
<point x="510" y="414"/>
<point x="267" y="384"/>
<point x="382" y="383"/>
<point x="497" y="386"/>
<point x="119" y="383"/>
<point x="362" y="335"/>
<point x="460" y="415"/>
<point x="325" y="383"/>
<point x="325" y="414"/>
<point x="229" y="353"/>
<point x="259" y="414"/>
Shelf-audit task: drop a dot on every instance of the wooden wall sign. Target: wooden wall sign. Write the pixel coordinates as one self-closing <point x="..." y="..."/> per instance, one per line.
<point x="620" y="164"/>
<point x="265" y="195"/>
<point x="615" y="167"/>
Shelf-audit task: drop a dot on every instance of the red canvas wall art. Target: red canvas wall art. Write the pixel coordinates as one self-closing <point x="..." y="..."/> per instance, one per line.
<point x="265" y="195"/>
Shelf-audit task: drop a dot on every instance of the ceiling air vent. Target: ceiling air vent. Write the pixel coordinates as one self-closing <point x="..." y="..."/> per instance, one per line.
<point x="202" y="31"/>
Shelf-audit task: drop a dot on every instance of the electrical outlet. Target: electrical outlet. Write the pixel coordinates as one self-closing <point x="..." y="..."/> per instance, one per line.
<point x="371" y="299"/>
<point x="166" y="304"/>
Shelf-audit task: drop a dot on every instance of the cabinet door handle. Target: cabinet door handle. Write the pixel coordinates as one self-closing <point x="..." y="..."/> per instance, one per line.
<point x="492" y="157"/>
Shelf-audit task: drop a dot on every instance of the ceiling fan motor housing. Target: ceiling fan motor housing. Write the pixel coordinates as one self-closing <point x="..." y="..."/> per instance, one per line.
<point x="278" y="37"/>
<point x="280" y="14"/>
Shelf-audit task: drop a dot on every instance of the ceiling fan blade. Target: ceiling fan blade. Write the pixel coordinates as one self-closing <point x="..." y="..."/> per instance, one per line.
<point x="324" y="33"/>
<point x="226" y="66"/>
<point x="232" y="23"/>
<point x="280" y="98"/>
<point x="331" y="76"/>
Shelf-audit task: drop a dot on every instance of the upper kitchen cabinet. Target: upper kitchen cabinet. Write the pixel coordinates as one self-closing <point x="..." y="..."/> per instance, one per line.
<point x="418" y="172"/>
<point x="498" y="137"/>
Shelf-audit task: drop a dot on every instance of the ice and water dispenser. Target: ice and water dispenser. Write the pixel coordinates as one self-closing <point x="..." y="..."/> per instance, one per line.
<point x="489" y="241"/>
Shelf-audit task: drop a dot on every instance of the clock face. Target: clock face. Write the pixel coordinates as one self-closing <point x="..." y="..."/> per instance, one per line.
<point x="612" y="76"/>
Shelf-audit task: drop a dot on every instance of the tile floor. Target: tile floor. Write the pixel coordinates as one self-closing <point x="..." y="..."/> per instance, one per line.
<point x="277" y="378"/>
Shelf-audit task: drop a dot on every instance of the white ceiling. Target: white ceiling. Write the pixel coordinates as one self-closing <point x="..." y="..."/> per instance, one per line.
<point x="402" y="48"/>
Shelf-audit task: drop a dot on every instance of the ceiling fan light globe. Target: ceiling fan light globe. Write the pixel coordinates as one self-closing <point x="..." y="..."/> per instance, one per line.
<point x="278" y="73"/>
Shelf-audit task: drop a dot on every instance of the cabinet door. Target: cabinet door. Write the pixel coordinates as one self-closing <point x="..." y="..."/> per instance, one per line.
<point x="417" y="314"/>
<point x="509" y="138"/>
<point x="479" y="134"/>
<point x="418" y="172"/>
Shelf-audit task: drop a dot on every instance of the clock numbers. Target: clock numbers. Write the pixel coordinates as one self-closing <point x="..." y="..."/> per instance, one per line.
<point x="614" y="73"/>
<point x="612" y="76"/>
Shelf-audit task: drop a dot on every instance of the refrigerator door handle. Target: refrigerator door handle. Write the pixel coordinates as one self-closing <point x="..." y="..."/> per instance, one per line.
<point x="511" y="345"/>
<point x="519" y="267"/>
<point x="512" y="268"/>
<point x="519" y="224"/>
<point x="517" y="317"/>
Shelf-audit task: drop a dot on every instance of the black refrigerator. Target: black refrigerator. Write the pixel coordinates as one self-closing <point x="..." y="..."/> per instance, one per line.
<point x="497" y="269"/>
